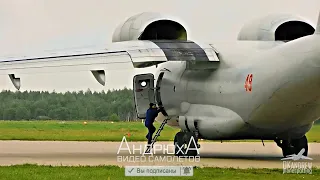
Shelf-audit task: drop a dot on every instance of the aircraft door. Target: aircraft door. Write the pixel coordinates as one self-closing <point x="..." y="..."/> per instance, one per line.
<point x="157" y="92"/>
<point x="143" y="87"/>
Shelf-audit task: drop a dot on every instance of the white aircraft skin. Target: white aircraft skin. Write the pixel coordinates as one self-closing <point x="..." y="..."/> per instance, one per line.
<point x="284" y="99"/>
<point x="203" y="86"/>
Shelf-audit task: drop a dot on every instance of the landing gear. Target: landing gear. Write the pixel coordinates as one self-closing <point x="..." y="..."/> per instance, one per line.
<point x="293" y="146"/>
<point x="186" y="144"/>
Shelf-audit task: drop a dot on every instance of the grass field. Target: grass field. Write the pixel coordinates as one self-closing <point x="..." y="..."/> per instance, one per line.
<point x="34" y="172"/>
<point x="76" y="130"/>
<point x="92" y="131"/>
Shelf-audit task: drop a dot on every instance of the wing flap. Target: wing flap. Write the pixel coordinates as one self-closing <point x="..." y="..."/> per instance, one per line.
<point x="171" y="50"/>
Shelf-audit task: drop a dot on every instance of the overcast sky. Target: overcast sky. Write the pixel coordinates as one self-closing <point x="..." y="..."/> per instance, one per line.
<point x="33" y="26"/>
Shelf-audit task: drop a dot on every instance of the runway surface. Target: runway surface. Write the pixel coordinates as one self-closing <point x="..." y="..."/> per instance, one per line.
<point x="213" y="154"/>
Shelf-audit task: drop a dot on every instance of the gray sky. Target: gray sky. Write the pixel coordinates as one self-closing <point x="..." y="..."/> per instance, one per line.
<point x="33" y="26"/>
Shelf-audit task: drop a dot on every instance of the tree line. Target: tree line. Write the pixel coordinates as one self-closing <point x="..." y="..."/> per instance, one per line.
<point x="112" y="105"/>
<point x="115" y="105"/>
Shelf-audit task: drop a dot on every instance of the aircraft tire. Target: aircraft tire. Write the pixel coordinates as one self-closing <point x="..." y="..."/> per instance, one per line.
<point x="298" y="144"/>
<point x="287" y="149"/>
<point x="295" y="146"/>
<point x="188" y="137"/>
<point x="182" y="139"/>
<point x="179" y="142"/>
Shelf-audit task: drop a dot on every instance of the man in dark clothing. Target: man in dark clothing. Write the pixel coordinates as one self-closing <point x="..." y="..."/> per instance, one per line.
<point x="151" y="115"/>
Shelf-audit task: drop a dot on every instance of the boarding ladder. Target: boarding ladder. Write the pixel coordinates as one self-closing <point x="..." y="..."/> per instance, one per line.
<point x="155" y="137"/>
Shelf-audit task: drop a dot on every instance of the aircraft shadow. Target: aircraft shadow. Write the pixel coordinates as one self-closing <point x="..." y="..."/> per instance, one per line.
<point x="266" y="157"/>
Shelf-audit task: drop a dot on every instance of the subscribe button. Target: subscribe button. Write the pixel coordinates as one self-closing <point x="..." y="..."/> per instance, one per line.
<point x="158" y="171"/>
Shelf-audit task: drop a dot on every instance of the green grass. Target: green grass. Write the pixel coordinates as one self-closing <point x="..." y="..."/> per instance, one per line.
<point x="35" y="172"/>
<point x="314" y="134"/>
<point x="92" y="131"/>
<point x="77" y="131"/>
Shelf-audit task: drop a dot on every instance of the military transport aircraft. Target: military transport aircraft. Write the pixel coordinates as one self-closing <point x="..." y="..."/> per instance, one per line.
<point x="265" y="85"/>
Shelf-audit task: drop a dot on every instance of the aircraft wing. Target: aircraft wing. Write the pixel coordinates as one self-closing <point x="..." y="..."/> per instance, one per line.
<point x="120" y="55"/>
<point x="96" y="62"/>
<point x="287" y="158"/>
<point x="307" y="158"/>
<point x="291" y="155"/>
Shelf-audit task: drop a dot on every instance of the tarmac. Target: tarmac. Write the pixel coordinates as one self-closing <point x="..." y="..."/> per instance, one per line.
<point x="212" y="154"/>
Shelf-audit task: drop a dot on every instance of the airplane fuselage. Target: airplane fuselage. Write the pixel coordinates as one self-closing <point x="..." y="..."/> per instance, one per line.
<point x="283" y="102"/>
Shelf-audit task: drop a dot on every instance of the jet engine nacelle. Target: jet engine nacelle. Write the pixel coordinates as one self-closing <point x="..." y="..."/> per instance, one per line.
<point x="276" y="27"/>
<point x="150" y="26"/>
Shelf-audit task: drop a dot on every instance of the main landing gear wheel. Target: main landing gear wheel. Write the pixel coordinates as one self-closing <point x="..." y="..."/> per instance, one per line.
<point x="181" y="142"/>
<point x="294" y="146"/>
<point x="299" y="144"/>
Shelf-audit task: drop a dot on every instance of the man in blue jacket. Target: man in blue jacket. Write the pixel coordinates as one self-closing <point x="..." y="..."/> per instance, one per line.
<point x="151" y="115"/>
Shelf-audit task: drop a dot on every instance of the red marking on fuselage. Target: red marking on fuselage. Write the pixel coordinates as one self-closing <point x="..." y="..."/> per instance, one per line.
<point x="248" y="83"/>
